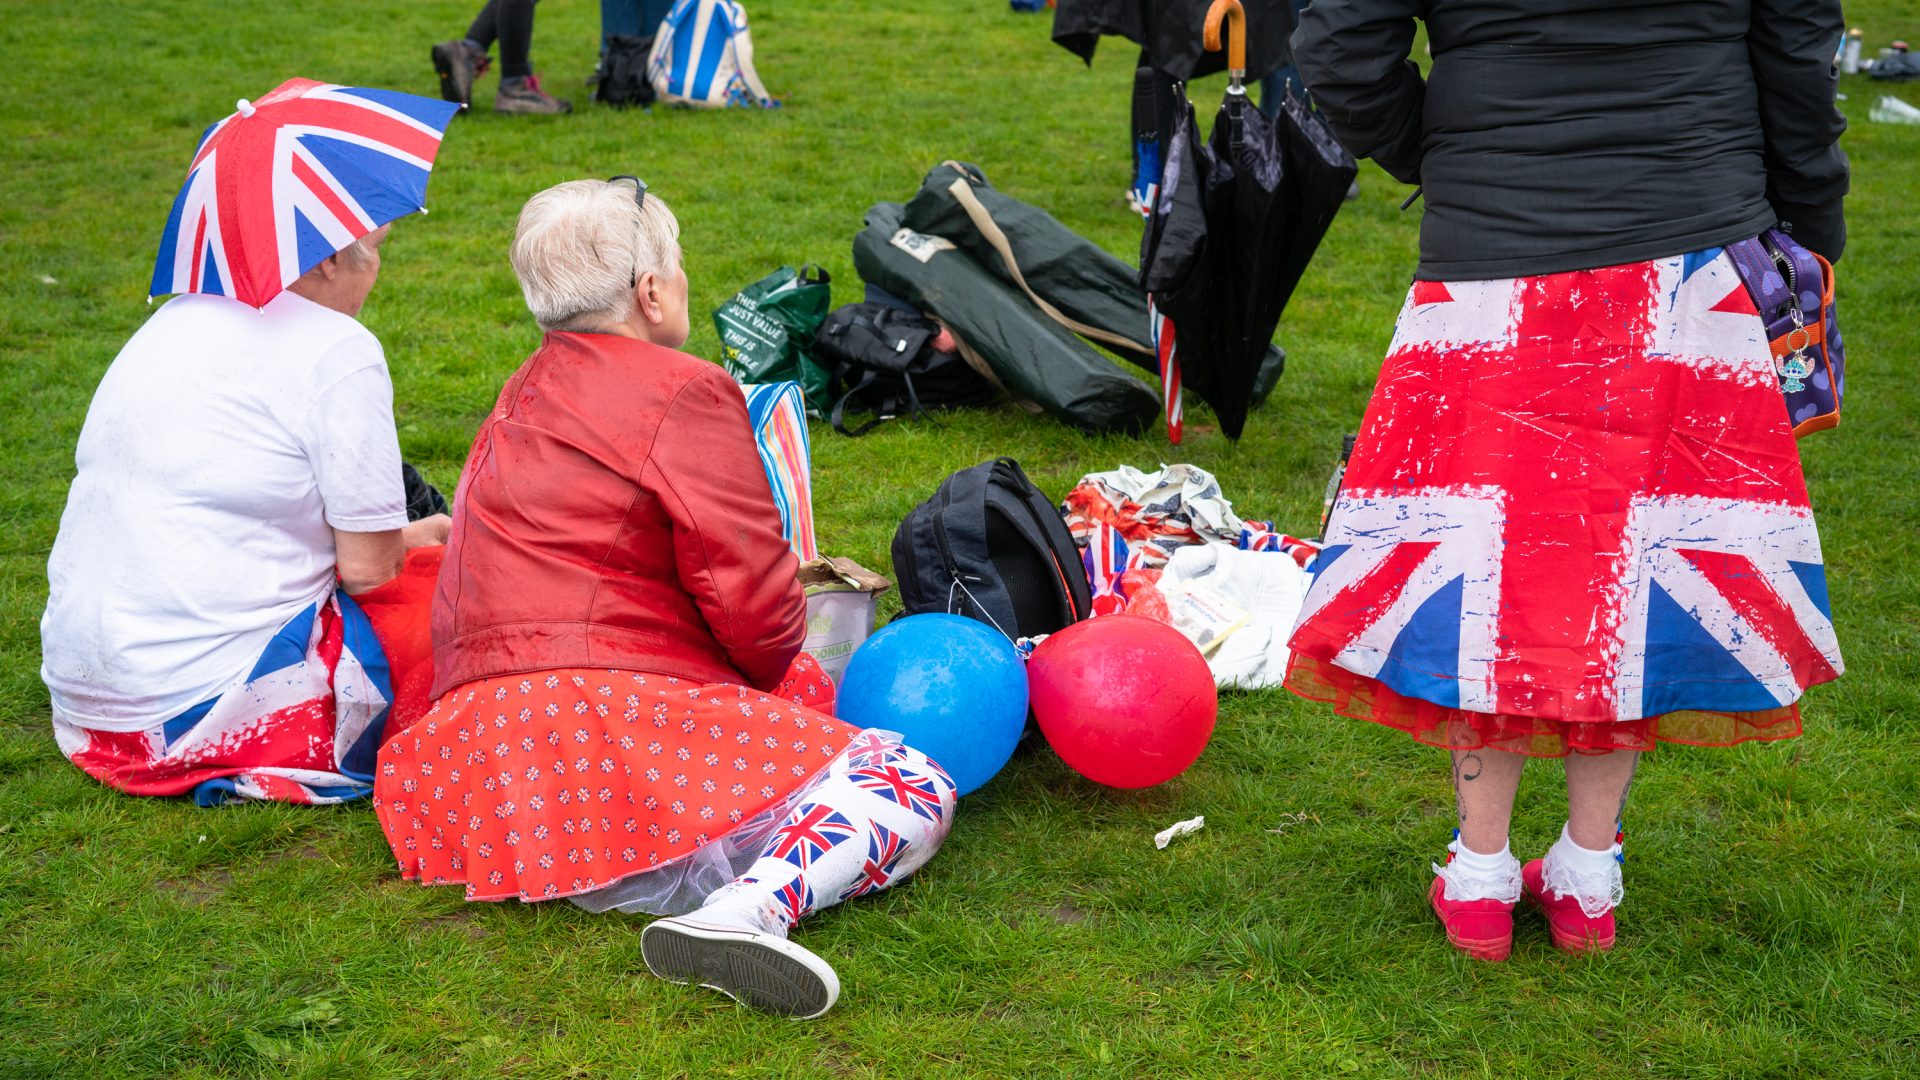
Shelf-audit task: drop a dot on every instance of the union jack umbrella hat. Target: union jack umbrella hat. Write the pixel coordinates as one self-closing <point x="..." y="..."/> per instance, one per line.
<point x="291" y="179"/>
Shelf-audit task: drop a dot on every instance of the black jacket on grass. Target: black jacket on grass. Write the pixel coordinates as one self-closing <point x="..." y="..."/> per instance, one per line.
<point x="1557" y="135"/>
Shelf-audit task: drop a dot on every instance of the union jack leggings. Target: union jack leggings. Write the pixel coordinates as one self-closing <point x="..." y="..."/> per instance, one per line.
<point x="875" y="819"/>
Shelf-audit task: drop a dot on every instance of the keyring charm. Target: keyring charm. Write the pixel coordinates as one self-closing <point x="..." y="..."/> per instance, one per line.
<point x="1794" y="368"/>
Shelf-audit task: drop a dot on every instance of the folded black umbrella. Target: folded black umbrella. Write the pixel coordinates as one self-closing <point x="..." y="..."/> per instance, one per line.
<point x="1235" y="224"/>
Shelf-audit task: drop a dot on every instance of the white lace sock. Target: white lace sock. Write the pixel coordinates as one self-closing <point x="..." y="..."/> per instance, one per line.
<point x="1470" y="875"/>
<point x="1591" y="877"/>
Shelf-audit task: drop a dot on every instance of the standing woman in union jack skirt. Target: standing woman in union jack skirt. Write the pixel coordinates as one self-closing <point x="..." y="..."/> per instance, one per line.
<point x="624" y="716"/>
<point x="1575" y="523"/>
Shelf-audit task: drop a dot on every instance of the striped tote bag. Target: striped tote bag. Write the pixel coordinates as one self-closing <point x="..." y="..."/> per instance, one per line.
<point x="703" y="56"/>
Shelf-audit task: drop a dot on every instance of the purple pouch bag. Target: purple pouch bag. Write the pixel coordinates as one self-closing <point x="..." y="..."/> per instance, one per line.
<point x="1793" y="288"/>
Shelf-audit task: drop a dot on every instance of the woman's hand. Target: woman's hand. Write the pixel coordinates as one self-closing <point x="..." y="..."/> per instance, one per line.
<point x="427" y="532"/>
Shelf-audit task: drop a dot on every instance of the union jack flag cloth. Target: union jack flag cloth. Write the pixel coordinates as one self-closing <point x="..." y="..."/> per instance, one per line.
<point x="1575" y="497"/>
<point x="303" y="726"/>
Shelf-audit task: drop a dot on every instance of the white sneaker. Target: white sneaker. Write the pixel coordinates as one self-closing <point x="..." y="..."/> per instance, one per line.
<point x="727" y="950"/>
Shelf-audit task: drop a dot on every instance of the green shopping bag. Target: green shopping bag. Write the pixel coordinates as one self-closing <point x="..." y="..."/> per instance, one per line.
<point x="767" y="330"/>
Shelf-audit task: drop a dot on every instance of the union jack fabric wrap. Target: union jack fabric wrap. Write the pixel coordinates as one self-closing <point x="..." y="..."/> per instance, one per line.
<point x="1574" y="498"/>
<point x="1261" y="536"/>
<point x="303" y="726"/>
<point x="703" y="56"/>
<point x="1156" y="513"/>
<point x="779" y="416"/>
<point x="291" y="179"/>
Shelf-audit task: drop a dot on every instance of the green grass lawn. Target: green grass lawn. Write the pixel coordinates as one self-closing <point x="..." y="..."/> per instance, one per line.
<point x="1767" y="930"/>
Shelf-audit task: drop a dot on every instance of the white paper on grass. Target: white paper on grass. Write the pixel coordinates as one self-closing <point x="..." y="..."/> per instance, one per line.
<point x="1179" y="828"/>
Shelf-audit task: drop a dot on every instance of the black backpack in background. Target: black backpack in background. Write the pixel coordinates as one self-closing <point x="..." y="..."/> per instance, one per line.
<point x="886" y="364"/>
<point x="991" y="547"/>
<point x="623" y="73"/>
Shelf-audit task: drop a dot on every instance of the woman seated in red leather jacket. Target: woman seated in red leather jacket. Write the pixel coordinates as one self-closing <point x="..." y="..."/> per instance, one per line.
<point x="623" y="715"/>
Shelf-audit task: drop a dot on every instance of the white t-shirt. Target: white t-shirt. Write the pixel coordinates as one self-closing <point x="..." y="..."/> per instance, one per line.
<point x="221" y="445"/>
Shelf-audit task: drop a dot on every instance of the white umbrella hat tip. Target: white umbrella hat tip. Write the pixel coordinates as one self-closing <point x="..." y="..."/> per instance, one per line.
<point x="243" y="107"/>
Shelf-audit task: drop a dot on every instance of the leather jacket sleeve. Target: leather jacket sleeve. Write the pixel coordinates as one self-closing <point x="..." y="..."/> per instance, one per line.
<point x="726" y="529"/>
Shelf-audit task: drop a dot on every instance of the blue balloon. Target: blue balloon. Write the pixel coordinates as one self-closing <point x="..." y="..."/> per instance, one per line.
<point x="953" y="688"/>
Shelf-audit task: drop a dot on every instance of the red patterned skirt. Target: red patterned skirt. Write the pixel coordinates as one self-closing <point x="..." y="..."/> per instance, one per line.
<point x="1574" y="521"/>
<point x="554" y="783"/>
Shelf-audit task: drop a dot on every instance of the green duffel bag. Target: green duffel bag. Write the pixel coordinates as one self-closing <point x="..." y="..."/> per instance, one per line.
<point x="1031" y="355"/>
<point x="767" y="330"/>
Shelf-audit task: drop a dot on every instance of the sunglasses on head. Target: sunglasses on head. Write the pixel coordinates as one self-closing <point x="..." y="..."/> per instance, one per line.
<point x="639" y="203"/>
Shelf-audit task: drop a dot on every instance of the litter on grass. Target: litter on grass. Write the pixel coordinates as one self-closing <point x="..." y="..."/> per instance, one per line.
<point x="1179" y="828"/>
<point x="1891" y="110"/>
<point x="1288" y="821"/>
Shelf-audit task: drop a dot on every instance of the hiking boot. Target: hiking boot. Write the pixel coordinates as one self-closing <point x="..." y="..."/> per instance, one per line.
<point x="524" y="97"/>
<point x="1483" y="929"/>
<point x="1573" y="929"/>
<point x="727" y="949"/>
<point x="458" y="65"/>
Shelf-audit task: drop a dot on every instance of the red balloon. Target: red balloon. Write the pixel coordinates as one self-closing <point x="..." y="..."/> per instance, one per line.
<point x="1125" y="701"/>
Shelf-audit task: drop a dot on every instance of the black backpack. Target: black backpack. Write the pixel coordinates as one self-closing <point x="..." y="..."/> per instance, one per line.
<point x="623" y="73"/>
<point x="885" y="360"/>
<point x="990" y="546"/>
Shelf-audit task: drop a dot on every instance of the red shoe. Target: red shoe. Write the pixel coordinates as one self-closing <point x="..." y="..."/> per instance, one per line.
<point x="1483" y="929"/>
<point x="1573" y="931"/>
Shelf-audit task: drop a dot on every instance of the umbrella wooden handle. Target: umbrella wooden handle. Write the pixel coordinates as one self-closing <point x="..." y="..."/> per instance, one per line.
<point x="1235" y="16"/>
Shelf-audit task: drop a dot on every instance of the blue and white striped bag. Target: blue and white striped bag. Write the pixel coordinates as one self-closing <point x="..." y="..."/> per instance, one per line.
<point x="703" y="56"/>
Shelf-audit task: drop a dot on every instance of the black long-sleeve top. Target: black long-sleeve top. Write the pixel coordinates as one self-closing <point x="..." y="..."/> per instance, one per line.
<point x="1556" y="135"/>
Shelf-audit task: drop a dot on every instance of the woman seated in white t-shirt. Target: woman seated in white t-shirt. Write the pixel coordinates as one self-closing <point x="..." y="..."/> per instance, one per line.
<point x="239" y="602"/>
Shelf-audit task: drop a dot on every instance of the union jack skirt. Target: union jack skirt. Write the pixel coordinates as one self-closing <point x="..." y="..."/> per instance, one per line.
<point x="1574" y="520"/>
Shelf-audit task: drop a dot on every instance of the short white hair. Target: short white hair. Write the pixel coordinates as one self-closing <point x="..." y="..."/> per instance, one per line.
<point x="361" y="252"/>
<point x="580" y="246"/>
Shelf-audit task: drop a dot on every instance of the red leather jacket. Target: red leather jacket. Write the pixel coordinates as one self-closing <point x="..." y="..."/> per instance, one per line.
<point x="614" y="513"/>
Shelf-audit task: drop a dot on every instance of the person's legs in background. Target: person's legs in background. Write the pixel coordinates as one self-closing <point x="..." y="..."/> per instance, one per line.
<point x="459" y="63"/>
<point x="512" y="26"/>
<point x="1154" y="112"/>
<point x="652" y="14"/>
<point x="520" y="91"/>
<point x="618" y="17"/>
<point x="485" y="26"/>
<point x="863" y="829"/>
